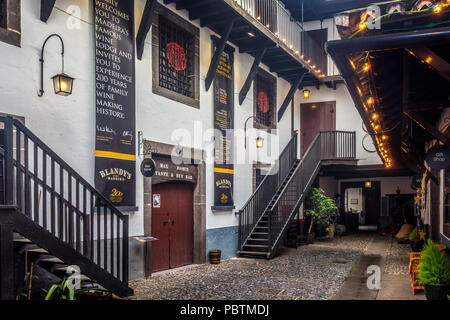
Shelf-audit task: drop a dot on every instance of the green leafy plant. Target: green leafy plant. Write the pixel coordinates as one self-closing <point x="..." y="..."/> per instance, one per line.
<point x="61" y="291"/>
<point x="321" y="208"/>
<point x="434" y="268"/>
<point x="413" y="236"/>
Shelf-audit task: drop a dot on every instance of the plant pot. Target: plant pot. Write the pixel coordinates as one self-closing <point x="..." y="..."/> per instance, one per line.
<point x="214" y="256"/>
<point x="436" y="292"/>
<point x="416" y="246"/>
<point x="310" y="238"/>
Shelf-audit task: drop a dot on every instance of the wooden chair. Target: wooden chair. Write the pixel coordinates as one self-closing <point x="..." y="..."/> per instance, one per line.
<point x="413" y="271"/>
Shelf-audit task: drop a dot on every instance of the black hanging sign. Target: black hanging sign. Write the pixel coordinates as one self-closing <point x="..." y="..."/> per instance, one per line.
<point x="115" y="150"/>
<point x="224" y="123"/>
<point x="148" y="168"/>
<point x="438" y="157"/>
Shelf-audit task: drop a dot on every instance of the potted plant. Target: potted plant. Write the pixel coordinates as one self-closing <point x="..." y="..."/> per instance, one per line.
<point x="434" y="272"/>
<point x="321" y="211"/>
<point x="414" y="240"/>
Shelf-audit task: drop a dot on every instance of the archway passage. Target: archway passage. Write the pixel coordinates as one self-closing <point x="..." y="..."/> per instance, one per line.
<point x="172" y="225"/>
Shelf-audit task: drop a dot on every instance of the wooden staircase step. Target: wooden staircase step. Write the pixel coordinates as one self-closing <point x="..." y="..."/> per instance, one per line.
<point x="260" y="233"/>
<point x="257" y="239"/>
<point x="52" y="260"/>
<point x="22" y="240"/>
<point x="256" y="245"/>
<point x="38" y="250"/>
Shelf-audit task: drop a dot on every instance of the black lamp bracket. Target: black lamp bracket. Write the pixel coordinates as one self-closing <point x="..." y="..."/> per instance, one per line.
<point x="41" y="60"/>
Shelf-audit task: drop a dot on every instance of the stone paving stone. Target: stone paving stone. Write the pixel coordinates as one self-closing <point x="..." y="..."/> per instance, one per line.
<point x="306" y="273"/>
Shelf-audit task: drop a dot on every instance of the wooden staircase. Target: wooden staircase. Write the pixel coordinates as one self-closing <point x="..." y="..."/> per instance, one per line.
<point x="263" y="223"/>
<point x="52" y="218"/>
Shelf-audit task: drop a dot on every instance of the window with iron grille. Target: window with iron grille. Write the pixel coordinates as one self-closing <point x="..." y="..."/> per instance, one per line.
<point x="265" y="92"/>
<point x="10" y="22"/>
<point x="175" y="58"/>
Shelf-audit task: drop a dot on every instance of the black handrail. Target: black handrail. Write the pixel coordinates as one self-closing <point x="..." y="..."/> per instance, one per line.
<point x="47" y="190"/>
<point x="337" y="145"/>
<point x="255" y="207"/>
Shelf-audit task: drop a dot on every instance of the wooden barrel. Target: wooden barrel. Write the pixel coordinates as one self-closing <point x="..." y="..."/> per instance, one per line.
<point x="214" y="256"/>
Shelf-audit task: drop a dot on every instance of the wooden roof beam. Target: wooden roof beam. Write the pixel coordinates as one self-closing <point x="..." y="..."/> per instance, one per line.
<point x="251" y="75"/>
<point x="290" y="95"/>
<point x="144" y="27"/>
<point x="424" y="124"/>
<point x="210" y="76"/>
<point x="46" y="9"/>
<point x="432" y="60"/>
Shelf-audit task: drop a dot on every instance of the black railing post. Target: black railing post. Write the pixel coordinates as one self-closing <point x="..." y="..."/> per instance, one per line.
<point x="6" y="253"/>
<point x="9" y="166"/>
<point x="125" y="249"/>
<point x="239" y="213"/>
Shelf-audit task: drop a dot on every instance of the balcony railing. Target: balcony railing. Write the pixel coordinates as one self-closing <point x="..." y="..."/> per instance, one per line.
<point x="273" y="15"/>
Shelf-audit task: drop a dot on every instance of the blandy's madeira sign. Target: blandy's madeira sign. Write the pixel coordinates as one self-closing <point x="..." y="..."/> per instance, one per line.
<point x="115" y="155"/>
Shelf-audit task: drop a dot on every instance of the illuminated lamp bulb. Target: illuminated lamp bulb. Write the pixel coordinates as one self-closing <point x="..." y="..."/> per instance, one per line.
<point x="374" y="116"/>
<point x="258" y="18"/>
<point x="370" y="100"/>
<point x="384" y="137"/>
<point x="437" y="8"/>
<point x="362" y="26"/>
<point x="377" y="127"/>
<point x="366" y="66"/>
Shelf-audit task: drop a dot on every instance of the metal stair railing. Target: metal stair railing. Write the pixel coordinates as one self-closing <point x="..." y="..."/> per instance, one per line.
<point x="255" y="207"/>
<point x="326" y="146"/>
<point x="53" y="195"/>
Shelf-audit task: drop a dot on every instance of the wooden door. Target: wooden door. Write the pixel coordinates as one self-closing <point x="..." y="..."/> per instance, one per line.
<point x="172" y="225"/>
<point x="372" y="206"/>
<point x="316" y="117"/>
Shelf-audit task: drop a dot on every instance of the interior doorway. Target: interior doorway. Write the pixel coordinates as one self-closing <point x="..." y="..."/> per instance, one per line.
<point x="362" y="201"/>
<point x="172" y="225"/>
<point x="316" y="117"/>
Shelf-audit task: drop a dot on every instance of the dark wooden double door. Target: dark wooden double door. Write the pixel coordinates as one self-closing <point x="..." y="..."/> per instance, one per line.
<point x="172" y="225"/>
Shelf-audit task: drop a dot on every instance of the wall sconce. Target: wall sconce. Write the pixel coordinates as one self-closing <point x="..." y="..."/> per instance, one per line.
<point x="368" y="184"/>
<point x="62" y="83"/>
<point x="306" y="94"/>
<point x="259" y="142"/>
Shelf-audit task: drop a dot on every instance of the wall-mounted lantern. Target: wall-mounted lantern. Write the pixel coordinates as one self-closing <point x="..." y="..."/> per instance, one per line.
<point x="306" y="94"/>
<point x="259" y="140"/>
<point x="62" y="83"/>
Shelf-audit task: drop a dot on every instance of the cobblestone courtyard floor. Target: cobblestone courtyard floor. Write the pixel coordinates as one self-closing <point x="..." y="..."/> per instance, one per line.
<point x="314" y="271"/>
<point x="323" y="270"/>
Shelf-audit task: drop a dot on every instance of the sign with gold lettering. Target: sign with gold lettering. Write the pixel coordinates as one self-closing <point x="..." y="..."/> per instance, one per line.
<point x="115" y="154"/>
<point x="224" y="123"/>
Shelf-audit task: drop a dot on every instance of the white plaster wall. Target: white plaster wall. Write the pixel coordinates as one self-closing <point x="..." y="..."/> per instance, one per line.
<point x="67" y="124"/>
<point x="347" y="116"/>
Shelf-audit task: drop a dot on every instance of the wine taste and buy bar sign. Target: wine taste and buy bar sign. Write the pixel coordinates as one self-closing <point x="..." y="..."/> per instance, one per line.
<point x="115" y="155"/>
